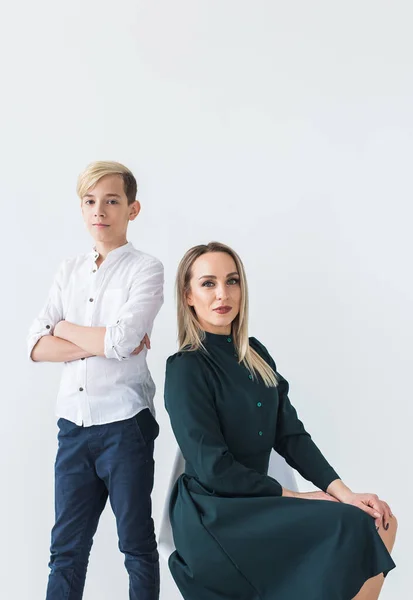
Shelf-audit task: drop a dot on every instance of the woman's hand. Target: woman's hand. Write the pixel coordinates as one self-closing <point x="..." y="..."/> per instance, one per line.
<point x="373" y="506"/>
<point x="369" y="503"/>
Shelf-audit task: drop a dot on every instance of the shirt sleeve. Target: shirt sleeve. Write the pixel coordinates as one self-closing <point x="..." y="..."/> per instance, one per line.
<point x="292" y="441"/>
<point x="195" y="422"/>
<point x="50" y="315"/>
<point x="137" y="315"/>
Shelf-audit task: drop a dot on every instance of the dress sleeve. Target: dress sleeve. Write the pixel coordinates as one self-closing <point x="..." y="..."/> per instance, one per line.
<point x="190" y="403"/>
<point x="292" y="441"/>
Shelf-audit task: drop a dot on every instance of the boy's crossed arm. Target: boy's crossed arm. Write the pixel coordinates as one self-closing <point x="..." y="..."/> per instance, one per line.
<point x="54" y="349"/>
<point x="69" y="342"/>
<point x="90" y="339"/>
<point x="59" y="340"/>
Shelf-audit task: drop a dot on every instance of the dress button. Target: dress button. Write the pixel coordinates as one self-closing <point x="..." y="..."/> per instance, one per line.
<point x="80" y="389"/>
<point x="90" y="299"/>
<point x="229" y="339"/>
<point x="250" y="376"/>
<point x="260" y="433"/>
<point x="259" y="404"/>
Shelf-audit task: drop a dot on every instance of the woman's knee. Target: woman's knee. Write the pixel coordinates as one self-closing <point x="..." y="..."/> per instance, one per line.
<point x="394" y="522"/>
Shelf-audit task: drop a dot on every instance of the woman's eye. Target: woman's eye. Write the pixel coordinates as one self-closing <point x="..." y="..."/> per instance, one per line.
<point x="232" y="281"/>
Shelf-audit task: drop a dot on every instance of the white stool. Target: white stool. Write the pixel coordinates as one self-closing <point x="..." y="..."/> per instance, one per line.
<point x="278" y="469"/>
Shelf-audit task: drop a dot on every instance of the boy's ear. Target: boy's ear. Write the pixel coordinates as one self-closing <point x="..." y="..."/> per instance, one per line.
<point x="134" y="210"/>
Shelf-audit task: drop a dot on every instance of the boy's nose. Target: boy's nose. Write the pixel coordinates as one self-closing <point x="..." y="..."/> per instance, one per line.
<point x="99" y="211"/>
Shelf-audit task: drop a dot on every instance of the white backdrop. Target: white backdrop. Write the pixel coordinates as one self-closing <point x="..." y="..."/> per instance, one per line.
<point x="284" y="129"/>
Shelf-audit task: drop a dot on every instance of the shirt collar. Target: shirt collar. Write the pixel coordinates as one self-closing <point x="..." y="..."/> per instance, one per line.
<point x="113" y="253"/>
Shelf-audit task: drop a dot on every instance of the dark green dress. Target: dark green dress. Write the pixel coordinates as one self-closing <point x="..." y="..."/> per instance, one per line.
<point x="236" y="537"/>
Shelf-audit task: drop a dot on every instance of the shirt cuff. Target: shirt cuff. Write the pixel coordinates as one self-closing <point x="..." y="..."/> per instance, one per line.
<point x="35" y="337"/>
<point x="115" y="344"/>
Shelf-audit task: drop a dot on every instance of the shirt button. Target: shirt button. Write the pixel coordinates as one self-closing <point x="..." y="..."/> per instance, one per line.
<point x="83" y="358"/>
<point x="259" y="404"/>
<point x="80" y="389"/>
<point x="229" y="339"/>
<point x="94" y="270"/>
<point x="260" y="433"/>
<point x="90" y="299"/>
<point x="47" y="326"/>
<point x="250" y="376"/>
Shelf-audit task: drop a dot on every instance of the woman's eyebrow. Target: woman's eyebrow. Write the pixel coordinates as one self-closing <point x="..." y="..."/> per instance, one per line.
<point x="214" y="276"/>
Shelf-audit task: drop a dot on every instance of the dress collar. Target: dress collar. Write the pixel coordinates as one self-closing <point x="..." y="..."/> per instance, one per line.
<point x="218" y="339"/>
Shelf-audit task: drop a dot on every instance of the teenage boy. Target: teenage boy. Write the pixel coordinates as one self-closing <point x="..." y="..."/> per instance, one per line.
<point x="97" y="321"/>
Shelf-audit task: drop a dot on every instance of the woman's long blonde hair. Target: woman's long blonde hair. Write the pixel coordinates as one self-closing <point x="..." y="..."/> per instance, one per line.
<point x="190" y="334"/>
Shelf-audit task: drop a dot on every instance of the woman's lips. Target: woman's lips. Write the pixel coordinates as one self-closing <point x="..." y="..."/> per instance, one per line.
<point x="100" y="225"/>
<point x="223" y="310"/>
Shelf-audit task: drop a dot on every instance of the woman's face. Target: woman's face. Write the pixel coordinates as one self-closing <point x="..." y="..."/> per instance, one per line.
<point x="215" y="292"/>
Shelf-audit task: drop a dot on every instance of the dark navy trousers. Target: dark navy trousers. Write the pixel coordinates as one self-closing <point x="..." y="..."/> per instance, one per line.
<point x="92" y="464"/>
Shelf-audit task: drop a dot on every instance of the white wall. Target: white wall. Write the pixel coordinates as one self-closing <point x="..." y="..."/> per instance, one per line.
<point x="282" y="128"/>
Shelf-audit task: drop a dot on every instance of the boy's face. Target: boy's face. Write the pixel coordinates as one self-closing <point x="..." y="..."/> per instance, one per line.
<point x="106" y="211"/>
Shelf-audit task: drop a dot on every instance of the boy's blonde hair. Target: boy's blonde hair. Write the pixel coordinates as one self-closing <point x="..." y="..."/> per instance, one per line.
<point x="190" y="334"/>
<point x="96" y="170"/>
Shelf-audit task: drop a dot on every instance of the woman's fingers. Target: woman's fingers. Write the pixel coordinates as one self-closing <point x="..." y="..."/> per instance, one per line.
<point x="379" y="510"/>
<point x="376" y="505"/>
<point x="372" y="505"/>
<point x="386" y="515"/>
<point x="390" y="510"/>
<point x="370" y="511"/>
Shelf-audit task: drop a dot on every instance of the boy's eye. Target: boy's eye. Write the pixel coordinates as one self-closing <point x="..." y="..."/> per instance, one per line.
<point x="90" y="202"/>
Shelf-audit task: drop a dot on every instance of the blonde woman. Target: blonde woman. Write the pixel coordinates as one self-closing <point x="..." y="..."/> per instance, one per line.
<point x="238" y="534"/>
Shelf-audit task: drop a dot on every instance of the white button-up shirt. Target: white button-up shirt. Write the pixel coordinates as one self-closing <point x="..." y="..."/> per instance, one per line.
<point x="124" y="295"/>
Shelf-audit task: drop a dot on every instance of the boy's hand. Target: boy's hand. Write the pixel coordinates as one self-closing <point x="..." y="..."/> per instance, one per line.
<point x="145" y="342"/>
